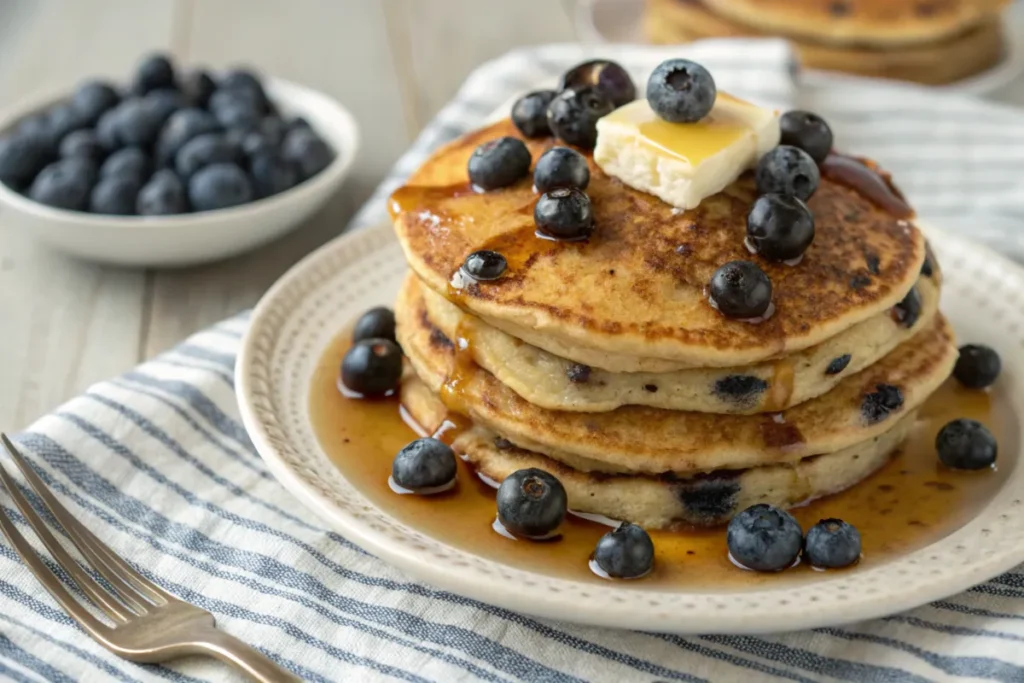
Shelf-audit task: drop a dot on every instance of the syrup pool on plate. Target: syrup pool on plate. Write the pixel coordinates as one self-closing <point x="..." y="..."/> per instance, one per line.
<point x="910" y="503"/>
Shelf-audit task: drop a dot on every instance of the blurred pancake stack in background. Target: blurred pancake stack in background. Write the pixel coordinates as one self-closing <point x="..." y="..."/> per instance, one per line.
<point x="928" y="41"/>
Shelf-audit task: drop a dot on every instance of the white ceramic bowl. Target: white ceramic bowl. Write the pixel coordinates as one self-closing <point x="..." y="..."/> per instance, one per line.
<point x="192" y="238"/>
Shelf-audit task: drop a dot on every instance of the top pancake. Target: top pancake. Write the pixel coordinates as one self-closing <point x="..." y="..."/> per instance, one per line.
<point x="637" y="287"/>
<point x="866" y="22"/>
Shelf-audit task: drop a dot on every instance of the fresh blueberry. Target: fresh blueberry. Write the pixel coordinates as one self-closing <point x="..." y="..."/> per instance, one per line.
<point x="573" y="115"/>
<point x="244" y="80"/>
<point x="92" y="99"/>
<point x="163" y="195"/>
<point x="273" y="129"/>
<point x="82" y="143"/>
<point x="138" y="122"/>
<point x="219" y="186"/>
<point x="485" y="265"/>
<point x="787" y="170"/>
<point x="764" y="538"/>
<point x="838" y="364"/>
<point x="197" y="86"/>
<point x="879" y="404"/>
<point x="271" y="174"/>
<point x="740" y="289"/>
<point x="780" y="227"/>
<point x="908" y="311"/>
<point x="163" y="103"/>
<point x="254" y="143"/>
<point x="130" y="163"/>
<point x="203" y="150"/>
<point x="86" y="168"/>
<point x="107" y="128"/>
<point x="423" y="465"/>
<point x="297" y="123"/>
<point x="238" y="115"/>
<point x="37" y="126"/>
<point x="372" y="367"/>
<point x="64" y="184"/>
<point x="561" y="167"/>
<point x="154" y="72"/>
<point x="607" y="76"/>
<point x="114" y="196"/>
<point x="977" y="367"/>
<point x="966" y="445"/>
<point x="564" y="214"/>
<point x="183" y="125"/>
<point x="681" y="91"/>
<point x="64" y="119"/>
<point x="531" y="503"/>
<point x="807" y="131"/>
<point x="832" y="544"/>
<point x="499" y="163"/>
<point x="530" y="113"/>
<point x="625" y="553"/>
<point x="307" y="151"/>
<point x="22" y="157"/>
<point x="376" y="323"/>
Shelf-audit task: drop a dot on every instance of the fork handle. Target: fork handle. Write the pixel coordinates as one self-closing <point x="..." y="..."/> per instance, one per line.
<point x="243" y="657"/>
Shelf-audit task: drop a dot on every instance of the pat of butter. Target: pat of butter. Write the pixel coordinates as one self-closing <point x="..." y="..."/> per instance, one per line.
<point x="682" y="163"/>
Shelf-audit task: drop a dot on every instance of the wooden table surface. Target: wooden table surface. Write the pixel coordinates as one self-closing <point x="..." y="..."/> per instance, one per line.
<point x="66" y="323"/>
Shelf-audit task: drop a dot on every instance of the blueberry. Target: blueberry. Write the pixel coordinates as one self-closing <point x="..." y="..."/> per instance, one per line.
<point x="740" y="289"/>
<point x="789" y="171"/>
<point x="498" y="163"/>
<point x="163" y="195"/>
<point x="86" y="168"/>
<point x="966" y="445"/>
<point x="238" y="116"/>
<point x="779" y="227"/>
<point x="203" y="150"/>
<point x="372" y="367"/>
<point x="838" y="364"/>
<point x="219" y="186"/>
<point x="273" y="129"/>
<point x="578" y="373"/>
<point x="307" y="151"/>
<point x="561" y="167"/>
<point x="564" y="214"/>
<point x="297" y="123"/>
<point x="182" y="126"/>
<point x="977" y="367"/>
<point x="610" y="79"/>
<point x="531" y="503"/>
<point x="130" y="163"/>
<point x="163" y="103"/>
<point x="485" y="265"/>
<point x="625" y="553"/>
<point x="82" y="143"/>
<point x="106" y="130"/>
<point x="376" y="323"/>
<point x="64" y="119"/>
<point x="37" y="126"/>
<point x="681" y="91"/>
<point x="63" y="184"/>
<point x="742" y="390"/>
<point x="92" y="99"/>
<point x="272" y="175"/>
<point x="530" y="113"/>
<point x="153" y="73"/>
<point x="22" y="157"/>
<point x="832" y="544"/>
<point x="807" y="131"/>
<point x="764" y="538"/>
<point x="880" y="403"/>
<point x="138" y="122"/>
<point x="573" y="115"/>
<point x="254" y="143"/>
<point x="227" y="99"/>
<point x="244" y="80"/>
<point x="197" y="86"/>
<point x="114" y="196"/>
<point x="908" y="311"/>
<point x="424" y="464"/>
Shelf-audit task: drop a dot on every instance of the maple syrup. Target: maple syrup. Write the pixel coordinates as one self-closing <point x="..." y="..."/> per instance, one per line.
<point x="864" y="177"/>
<point x="909" y="503"/>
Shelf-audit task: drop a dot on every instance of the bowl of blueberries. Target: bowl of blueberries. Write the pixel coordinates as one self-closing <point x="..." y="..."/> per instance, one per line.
<point x="174" y="169"/>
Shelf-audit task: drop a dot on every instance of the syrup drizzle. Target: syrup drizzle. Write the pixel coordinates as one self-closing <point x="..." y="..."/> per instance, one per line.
<point x="867" y="179"/>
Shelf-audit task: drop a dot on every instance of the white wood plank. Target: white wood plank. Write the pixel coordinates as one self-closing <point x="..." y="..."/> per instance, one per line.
<point x="340" y="48"/>
<point x="66" y="324"/>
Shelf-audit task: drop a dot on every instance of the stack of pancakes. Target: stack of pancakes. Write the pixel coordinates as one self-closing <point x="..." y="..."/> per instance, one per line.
<point x="603" y="362"/>
<point x="928" y="41"/>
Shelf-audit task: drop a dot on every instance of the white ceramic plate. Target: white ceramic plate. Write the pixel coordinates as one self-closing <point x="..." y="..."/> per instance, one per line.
<point x="983" y="295"/>
<point x="618" y="21"/>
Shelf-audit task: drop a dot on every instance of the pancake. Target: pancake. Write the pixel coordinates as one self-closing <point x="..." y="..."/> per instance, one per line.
<point x="657" y="502"/>
<point x="636" y="288"/>
<point x="948" y="60"/>
<point x="859" y="22"/>
<point x="555" y="383"/>
<point x="650" y="440"/>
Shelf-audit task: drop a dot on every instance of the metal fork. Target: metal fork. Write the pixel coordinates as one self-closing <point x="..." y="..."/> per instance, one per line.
<point x="150" y="624"/>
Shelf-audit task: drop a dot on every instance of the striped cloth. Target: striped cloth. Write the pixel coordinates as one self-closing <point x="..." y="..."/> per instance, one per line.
<point x="157" y="463"/>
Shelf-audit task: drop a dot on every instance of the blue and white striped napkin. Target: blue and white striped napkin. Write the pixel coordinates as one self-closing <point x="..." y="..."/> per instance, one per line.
<point x="156" y="462"/>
